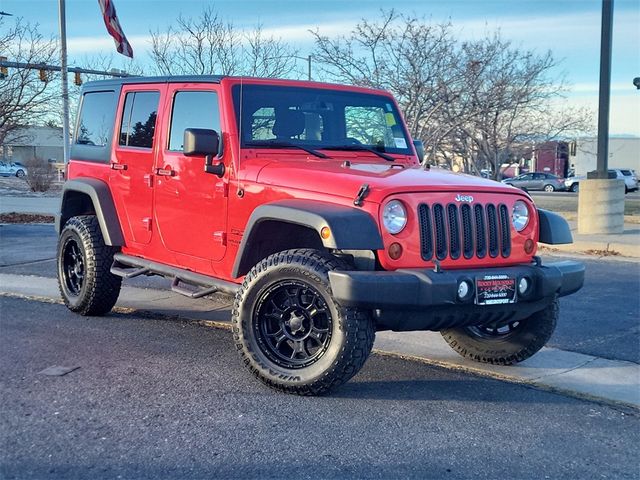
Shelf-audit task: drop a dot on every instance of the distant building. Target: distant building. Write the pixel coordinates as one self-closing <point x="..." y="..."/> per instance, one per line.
<point x="623" y="153"/>
<point x="30" y="142"/>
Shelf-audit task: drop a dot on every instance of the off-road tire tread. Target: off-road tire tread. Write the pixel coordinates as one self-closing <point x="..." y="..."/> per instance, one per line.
<point x="103" y="287"/>
<point x="360" y="327"/>
<point x="543" y="323"/>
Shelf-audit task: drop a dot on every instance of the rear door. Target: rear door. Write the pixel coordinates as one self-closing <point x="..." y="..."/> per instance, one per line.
<point x="191" y="205"/>
<point x="133" y="159"/>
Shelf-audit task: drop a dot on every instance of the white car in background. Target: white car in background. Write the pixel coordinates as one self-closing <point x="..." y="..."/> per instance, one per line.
<point x="11" y="169"/>
<point x="629" y="176"/>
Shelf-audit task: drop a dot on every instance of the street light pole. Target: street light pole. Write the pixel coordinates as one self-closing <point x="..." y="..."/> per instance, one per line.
<point x="65" y="86"/>
<point x="309" y="71"/>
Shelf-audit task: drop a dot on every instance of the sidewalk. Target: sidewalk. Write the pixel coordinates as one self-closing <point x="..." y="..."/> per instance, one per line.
<point x="585" y="376"/>
<point x="626" y="244"/>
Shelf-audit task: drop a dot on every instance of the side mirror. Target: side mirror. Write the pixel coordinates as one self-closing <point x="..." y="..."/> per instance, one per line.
<point x="203" y="142"/>
<point x="199" y="142"/>
<point x="419" y="149"/>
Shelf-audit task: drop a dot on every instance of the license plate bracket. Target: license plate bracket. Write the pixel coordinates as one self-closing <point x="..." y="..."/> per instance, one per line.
<point x="495" y="289"/>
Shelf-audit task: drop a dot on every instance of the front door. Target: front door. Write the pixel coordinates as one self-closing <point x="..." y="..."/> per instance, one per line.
<point x="132" y="162"/>
<point x="190" y="205"/>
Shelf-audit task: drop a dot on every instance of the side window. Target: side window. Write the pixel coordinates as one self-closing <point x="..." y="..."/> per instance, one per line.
<point x="95" y="119"/>
<point x="139" y="119"/>
<point x="192" y="110"/>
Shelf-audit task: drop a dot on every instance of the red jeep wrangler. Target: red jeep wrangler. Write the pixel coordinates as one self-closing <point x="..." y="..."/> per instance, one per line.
<point x="307" y="202"/>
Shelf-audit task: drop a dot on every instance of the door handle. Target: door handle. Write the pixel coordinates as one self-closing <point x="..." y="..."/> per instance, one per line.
<point x="118" y="166"/>
<point x="165" y="172"/>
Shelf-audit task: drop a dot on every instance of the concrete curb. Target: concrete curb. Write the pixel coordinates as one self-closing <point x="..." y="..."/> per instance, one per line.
<point x="610" y="381"/>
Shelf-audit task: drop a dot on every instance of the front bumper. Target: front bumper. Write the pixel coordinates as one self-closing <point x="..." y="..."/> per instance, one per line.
<point x="422" y="299"/>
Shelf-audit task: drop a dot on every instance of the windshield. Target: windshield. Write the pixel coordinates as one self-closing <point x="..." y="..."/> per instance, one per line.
<point x="273" y="116"/>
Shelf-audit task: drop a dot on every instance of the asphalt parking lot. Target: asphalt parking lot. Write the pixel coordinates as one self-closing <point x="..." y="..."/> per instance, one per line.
<point x="154" y="398"/>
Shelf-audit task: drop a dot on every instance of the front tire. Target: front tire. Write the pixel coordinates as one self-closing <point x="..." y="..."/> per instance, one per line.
<point x="575" y="187"/>
<point x="291" y="333"/>
<point x="505" y="344"/>
<point x="20" y="173"/>
<point x="85" y="281"/>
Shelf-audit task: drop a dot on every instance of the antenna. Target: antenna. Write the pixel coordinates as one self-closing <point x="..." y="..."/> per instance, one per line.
<point x="240" y="190"/>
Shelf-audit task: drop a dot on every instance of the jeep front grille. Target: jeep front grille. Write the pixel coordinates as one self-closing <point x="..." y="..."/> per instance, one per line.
<point x="455" y="230"/>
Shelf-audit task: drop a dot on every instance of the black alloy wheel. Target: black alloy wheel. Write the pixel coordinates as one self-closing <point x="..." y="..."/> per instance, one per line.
<point x="86" y="283"/>
<point x="293" y="324"/>
<point x="73" y="266"/>
<point x="505" y="343"/>
<point x="290" y="331"/>
<point x="500" y="331"/>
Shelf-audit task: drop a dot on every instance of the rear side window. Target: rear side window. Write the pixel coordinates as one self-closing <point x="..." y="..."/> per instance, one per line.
<point x="192" y="110"/>
<point x="139" y="119"/>
<point x="94" y="126"/>
<point x="626" y="173"/>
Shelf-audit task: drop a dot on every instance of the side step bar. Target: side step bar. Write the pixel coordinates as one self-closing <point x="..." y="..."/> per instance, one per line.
<point x="126" y="266"/>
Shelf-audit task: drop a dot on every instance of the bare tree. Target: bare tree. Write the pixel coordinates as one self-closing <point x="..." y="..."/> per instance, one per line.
<point x="474" y="103"/>
<point x="24" y="98"/>
<point x="210" y="45"/>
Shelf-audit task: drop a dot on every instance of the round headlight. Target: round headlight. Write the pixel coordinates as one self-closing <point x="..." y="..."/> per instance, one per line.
<point x="520" y="217"/>
<point x="394" y="216"/>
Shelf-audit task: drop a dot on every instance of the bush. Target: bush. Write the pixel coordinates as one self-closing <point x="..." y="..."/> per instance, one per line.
<point x="40" y="174"/>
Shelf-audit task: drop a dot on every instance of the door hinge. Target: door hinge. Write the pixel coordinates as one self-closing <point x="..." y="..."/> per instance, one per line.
<point x="222" y="188"/>
<point x="147" y="223"/>
<point x="148" y="180"/>
<point x="220" y="237"/>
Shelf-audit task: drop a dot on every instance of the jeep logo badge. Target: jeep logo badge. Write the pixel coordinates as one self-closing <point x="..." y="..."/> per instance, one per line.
<point x="464" y="198"/>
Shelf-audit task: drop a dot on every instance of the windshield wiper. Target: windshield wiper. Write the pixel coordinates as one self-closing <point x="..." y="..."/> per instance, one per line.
<point x="278" y="143"/>
<point x="360" y="148"/>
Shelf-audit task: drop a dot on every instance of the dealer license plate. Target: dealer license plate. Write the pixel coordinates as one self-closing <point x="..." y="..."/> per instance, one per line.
<point x="495" y="289"/>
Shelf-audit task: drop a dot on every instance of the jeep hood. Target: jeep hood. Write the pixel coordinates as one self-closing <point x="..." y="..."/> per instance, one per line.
<point x="334" y="178"/>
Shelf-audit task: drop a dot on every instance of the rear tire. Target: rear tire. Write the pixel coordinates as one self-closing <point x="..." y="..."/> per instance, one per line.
<point x="549" y="188"/>
<point x="507" y="344"/>
<point x="20" y="173"/>
<point x="85" y="281"/>
<point x="291" y="333"/>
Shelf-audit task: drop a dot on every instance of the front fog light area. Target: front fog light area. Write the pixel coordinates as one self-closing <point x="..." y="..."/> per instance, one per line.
<point x="464" y="290"/>
<point x="523" y="285"/>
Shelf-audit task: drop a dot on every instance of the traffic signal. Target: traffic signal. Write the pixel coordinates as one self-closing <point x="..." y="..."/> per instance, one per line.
<point x="4" y="71"/>
<point x="78" y="79"/>
<point x="43" y="75"/>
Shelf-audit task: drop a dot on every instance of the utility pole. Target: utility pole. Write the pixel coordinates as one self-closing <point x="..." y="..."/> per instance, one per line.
<point x="65" y="86"/>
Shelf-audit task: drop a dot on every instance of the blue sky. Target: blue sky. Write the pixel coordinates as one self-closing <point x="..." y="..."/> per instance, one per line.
<point x="569" y="28"/>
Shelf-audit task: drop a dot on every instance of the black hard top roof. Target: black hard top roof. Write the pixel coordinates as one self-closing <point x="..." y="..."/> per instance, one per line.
<point x="114" y="82"/>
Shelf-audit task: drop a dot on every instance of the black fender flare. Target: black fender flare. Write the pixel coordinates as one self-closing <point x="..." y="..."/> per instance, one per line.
<point x="553" y="229"/>
<point x="351" y="228"/>
<point x="103" y="205"/>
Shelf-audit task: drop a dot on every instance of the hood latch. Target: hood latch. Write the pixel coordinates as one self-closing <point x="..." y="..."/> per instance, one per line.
<point x="362" y="193"/>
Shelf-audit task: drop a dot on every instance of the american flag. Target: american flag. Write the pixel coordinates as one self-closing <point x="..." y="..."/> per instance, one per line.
<point x="114" y="28"/>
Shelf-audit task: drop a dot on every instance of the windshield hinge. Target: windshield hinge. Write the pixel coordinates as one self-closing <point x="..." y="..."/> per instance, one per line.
<point x="364" y="190"/>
